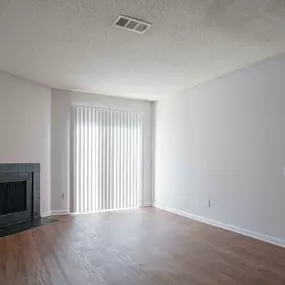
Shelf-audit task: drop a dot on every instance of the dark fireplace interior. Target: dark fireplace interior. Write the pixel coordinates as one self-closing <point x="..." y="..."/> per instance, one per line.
<point x="13" y="197"/>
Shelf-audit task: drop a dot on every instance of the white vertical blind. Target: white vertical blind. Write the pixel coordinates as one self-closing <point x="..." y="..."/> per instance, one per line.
<point x="106" y="159"/>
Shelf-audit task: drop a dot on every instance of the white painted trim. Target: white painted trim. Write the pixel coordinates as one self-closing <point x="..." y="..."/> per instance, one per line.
<point x="59" y="212"/>
<point x="147" y="204"/>
<point x="245" y="232"/>
<point x="153" y="150"/>
<point x="55" y="213"/>
<point x="45" y="214"/>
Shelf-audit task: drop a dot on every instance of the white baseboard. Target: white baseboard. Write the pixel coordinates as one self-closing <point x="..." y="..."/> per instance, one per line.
<point x="54" y="213"/>
<point x="45" y="214"/>
<point x="59" y="212"/>
<point x="245" y="232"/>
<point x="148" y="204"/>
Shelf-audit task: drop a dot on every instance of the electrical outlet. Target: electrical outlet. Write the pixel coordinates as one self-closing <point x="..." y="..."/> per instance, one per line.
<point x="62" y="196"/>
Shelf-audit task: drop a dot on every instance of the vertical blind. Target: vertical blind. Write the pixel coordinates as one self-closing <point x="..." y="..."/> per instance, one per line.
<point x="106" y="159"/>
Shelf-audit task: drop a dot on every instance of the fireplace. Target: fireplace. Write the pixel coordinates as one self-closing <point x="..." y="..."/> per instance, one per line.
<point x="19" y="193"/>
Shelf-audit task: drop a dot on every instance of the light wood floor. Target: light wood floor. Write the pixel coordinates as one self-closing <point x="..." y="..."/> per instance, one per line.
<point x="137" y="247"/>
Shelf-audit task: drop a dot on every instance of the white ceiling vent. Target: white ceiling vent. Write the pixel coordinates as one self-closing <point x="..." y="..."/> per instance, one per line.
<point x="132" y="24"/>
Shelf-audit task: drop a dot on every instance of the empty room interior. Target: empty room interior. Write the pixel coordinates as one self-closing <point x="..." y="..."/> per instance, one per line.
<point x="142" y="142"/>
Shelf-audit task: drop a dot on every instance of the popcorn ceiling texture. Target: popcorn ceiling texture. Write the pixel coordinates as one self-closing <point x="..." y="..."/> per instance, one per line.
<point x="71" y="44"/>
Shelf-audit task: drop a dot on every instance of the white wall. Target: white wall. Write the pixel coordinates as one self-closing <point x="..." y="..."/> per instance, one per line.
<point x="25" y="127"/>
<point x="225" y="141"/>
<point x="61" y="103"/>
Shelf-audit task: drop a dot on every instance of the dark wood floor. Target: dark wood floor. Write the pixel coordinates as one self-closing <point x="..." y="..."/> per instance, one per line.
<point x="138" y="247"/>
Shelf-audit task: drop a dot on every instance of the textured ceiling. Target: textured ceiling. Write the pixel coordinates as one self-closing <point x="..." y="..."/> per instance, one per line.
<point x="71" y="44"/>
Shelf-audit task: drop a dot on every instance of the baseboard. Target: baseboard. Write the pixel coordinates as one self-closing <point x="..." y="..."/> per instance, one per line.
<point x="45" y="214"/>
<point x="54" y="213"/>
<point x="245" y="232"/>
<point x="59" y="212"/>
<point x="148" y="204"/>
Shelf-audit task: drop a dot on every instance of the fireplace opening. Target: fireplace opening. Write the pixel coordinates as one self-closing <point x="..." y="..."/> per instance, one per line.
<point x="13" y="197"/>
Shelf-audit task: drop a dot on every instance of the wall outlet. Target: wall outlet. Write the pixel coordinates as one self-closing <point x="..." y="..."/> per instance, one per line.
<point x="62" y="196"/>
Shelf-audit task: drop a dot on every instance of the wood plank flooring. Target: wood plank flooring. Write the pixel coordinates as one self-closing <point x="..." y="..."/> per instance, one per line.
<point x="137" y="247"/>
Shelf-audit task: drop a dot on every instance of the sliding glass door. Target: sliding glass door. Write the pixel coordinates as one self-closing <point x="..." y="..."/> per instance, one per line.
<point x="106" y="159"/>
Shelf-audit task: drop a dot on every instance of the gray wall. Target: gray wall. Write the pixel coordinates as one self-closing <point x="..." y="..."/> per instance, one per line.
<point x="225" y="141"/>
<point x="60" y="164"/>
<point x="25" y="127"/>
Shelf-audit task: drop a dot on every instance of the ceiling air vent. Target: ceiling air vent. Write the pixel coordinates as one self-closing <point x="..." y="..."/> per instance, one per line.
<point x="132" y="24"/>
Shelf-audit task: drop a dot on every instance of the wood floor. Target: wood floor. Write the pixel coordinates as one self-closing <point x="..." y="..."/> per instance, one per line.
<point x="137" y="247"/>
